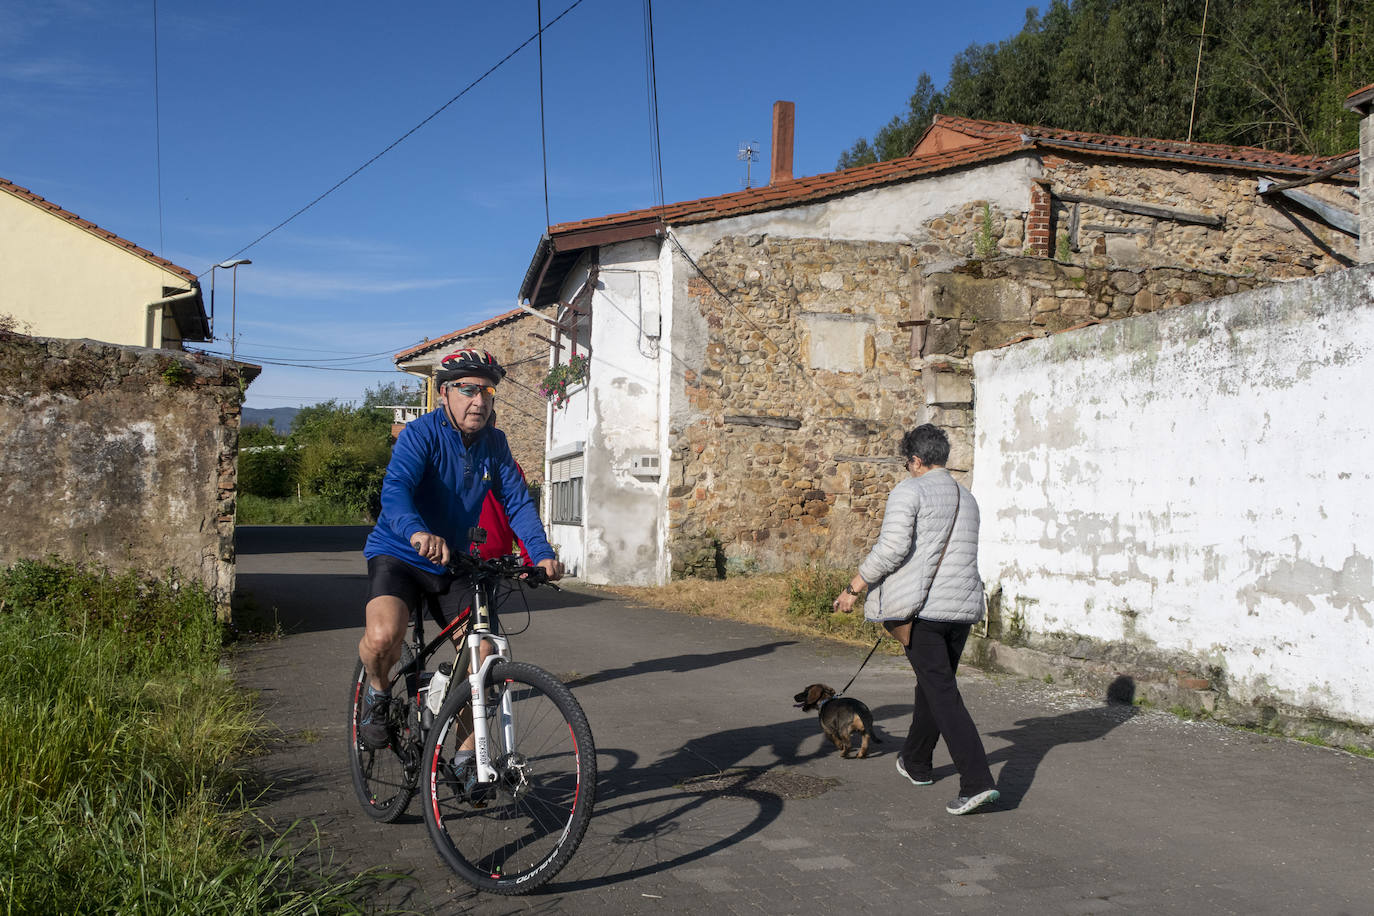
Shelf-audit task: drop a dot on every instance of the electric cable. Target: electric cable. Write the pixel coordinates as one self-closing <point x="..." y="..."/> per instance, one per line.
<point x="543" y="141"/>
<point x="651" y="80"/>
<point x="157" y="134"/>
<point x="398" y="141"/>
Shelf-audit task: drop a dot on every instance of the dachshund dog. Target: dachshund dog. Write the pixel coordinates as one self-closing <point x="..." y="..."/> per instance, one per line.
<point x="840" y="717"/>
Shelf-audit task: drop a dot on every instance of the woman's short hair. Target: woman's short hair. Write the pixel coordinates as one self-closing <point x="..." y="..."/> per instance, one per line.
<point x="927" y="442"/>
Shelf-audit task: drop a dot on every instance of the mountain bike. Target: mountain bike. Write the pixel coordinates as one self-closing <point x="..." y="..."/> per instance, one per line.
<point x="512" y="815"/>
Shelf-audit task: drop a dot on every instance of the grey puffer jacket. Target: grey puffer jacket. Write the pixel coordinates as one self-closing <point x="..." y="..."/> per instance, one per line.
<point x="901" y="573"/>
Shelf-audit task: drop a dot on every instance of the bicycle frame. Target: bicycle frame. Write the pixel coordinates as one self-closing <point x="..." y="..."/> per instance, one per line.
<point x="477" y="680"/>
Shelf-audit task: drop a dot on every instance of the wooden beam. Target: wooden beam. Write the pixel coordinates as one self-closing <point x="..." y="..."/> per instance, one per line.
<point x="776" y="422"/>
<point x="1132" y="206"/>
<point x="553" y="343"/>
<point x="1340" y="166"/>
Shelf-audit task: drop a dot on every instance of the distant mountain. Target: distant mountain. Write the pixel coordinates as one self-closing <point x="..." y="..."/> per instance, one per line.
<point x="281" y="417"/>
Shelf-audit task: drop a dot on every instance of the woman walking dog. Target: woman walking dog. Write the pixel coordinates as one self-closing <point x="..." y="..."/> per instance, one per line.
<point x="924" y="588"/>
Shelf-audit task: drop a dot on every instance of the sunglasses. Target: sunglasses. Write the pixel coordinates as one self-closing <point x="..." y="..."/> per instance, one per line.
<point x="469" y="390"/>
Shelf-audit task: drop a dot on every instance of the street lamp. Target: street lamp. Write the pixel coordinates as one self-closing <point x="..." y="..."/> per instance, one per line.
<point x="234" y="299"/>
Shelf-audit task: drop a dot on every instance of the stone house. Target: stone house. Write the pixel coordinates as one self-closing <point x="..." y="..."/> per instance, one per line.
<point x="755" y="356"/>
<point x="520" y="340"/>
<point x="64" y="276"/>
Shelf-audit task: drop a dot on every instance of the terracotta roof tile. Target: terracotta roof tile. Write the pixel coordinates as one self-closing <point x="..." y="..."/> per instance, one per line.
<point x="454" y="336"/>
<point x="805" y="190"/>
<point x="1247" y="157"/>
<point x="27" y="195"/>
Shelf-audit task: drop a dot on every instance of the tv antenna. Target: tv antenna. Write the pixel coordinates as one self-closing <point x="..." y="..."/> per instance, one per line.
<point x="748" y="154"/>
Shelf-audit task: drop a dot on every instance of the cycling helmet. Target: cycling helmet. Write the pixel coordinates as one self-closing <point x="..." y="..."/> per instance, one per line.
<point x="462" y="363"/>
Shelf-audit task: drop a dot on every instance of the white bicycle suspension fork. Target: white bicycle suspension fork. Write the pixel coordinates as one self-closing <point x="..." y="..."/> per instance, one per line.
<point x="477" y="683"/>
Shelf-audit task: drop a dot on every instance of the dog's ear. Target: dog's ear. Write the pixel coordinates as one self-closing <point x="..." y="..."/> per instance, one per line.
<point x="814" y="694"/>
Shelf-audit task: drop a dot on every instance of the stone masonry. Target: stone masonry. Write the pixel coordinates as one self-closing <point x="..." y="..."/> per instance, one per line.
<point x="122" y="457"/>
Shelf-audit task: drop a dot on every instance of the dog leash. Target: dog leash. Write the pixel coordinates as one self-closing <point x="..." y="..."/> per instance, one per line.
<point x="861" y="667"/>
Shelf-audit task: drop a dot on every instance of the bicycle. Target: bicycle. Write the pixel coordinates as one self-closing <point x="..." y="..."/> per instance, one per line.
<point x="514" y="814"/>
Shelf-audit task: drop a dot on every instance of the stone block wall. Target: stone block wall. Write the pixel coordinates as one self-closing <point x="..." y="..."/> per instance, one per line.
<point x="122" y="457"/>
<point x="1253" y="235"/>
<point x="806" y="384"/>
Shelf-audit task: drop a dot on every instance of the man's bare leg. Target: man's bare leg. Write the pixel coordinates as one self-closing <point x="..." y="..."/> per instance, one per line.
<point x="380" y="647"/>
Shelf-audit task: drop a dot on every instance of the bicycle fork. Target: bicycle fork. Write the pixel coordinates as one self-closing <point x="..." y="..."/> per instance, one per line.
<point x="477" y="687"/>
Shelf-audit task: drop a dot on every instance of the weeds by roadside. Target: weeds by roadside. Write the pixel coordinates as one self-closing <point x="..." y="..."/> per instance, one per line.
<point x="797" y="602"/>
<point x="309" y="510"/>
<point x="119" y="734"/>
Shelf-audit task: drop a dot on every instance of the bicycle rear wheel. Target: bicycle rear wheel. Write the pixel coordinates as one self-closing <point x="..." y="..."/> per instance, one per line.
<point x="515" y="834"/>
<point x="385" y="779"/>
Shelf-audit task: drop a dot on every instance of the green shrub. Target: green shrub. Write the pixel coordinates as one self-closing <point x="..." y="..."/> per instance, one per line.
<point x="269" y="472"/>
<point x="345" y="479"/>
<point x="811" y="594"/>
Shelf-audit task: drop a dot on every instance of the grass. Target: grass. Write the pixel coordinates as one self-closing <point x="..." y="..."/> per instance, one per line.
<point x="308" y="510"/>
<point x="119" y="732"/>
<point x="797" y="602"/>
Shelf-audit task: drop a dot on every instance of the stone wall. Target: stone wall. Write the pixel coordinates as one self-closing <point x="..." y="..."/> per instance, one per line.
<point x="1252" y="235"/>
<point x="122" y="457"/>
<point x="805" y="385"/>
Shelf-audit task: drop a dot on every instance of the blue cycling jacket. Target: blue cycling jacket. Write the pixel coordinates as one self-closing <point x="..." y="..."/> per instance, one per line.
<point x="435" y="483"/>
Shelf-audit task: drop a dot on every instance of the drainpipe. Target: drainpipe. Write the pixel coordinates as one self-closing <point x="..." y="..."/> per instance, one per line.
<point x="154" y="335"/>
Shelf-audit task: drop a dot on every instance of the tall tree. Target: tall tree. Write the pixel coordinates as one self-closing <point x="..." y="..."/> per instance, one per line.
<point x="1270" y="73"/>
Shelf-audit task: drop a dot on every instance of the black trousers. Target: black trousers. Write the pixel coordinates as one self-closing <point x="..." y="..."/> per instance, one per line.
<point x="934" y="653"/>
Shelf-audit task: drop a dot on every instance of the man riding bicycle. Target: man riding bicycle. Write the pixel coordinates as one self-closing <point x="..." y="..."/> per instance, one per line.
<point x="442" y="467"/>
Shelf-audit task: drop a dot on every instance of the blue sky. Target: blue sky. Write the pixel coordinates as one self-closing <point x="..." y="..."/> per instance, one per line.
<point x="264" y="106"/>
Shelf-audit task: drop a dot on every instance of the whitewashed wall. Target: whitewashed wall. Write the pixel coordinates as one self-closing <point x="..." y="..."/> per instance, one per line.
<point x="618" y="418"/>
<point x="1196" y="481"/>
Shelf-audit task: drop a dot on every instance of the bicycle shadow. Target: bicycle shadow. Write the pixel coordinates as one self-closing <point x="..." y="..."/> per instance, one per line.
<point x="677" y="664"/>
<point x="690" y="804"/>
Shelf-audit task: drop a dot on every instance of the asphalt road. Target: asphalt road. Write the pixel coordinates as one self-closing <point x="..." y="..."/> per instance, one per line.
<point x="716" y="795"/>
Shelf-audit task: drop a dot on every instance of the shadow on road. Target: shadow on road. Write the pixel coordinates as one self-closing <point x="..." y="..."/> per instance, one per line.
<point x="680" y="664"/>
<point x="255" y="539"/>
<point x="314" y="602"/>
<point x="689" y="805"/>
<point x="1032" y="739"/>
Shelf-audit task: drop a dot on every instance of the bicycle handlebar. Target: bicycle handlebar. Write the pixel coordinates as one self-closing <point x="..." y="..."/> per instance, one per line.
<point x="501" y="567"/>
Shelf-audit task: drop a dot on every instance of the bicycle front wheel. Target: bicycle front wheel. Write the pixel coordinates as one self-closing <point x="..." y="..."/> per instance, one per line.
<point x="513" y="835"/>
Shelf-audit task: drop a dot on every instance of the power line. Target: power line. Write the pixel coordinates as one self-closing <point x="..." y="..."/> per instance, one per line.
<point x="651" y="79"/>
<point x="543" y="142"/>
<point x="157" y="134"/>
<point x="404" y="136"/>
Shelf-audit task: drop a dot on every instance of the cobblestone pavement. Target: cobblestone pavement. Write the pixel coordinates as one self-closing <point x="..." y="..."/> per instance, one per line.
<point x="715" y="794"/>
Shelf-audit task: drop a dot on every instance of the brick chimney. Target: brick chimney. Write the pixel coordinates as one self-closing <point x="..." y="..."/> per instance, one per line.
<point x="784" y="114"/>
<point x="1361" y="101"/>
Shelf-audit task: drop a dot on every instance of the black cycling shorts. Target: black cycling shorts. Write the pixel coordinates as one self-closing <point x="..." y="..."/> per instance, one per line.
<point x="388" y="576"/>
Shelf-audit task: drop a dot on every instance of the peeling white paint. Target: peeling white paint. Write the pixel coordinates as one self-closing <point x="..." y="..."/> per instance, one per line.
<point x="1205" y="473"/>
